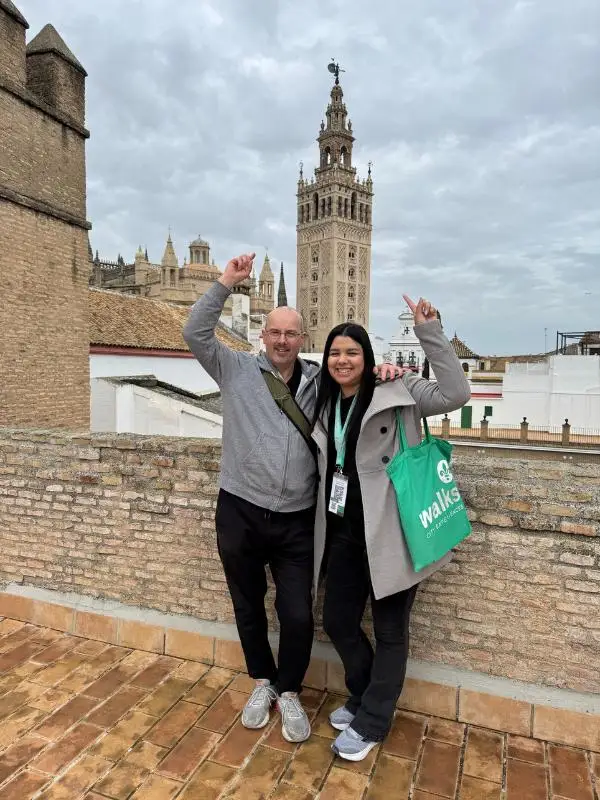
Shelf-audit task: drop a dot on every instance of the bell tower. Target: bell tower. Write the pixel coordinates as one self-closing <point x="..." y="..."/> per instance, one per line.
<point x="334" y="227"/>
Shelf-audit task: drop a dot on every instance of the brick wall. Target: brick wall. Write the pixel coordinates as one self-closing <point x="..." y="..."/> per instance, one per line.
<point x="44" y="261"/>
<point x="131" y="519"/>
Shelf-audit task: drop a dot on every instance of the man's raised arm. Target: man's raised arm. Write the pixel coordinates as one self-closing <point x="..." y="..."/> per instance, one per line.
<point x="199" y="330"/>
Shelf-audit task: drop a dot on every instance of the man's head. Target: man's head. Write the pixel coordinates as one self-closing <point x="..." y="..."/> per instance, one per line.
<point x="283" y="336"/>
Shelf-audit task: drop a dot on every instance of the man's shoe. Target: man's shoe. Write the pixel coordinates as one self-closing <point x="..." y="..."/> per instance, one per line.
<point x="352" y="746"/>
<point x="295" y="726"/>
<point x="341" y="718"/>
<point x="256" y="711"/>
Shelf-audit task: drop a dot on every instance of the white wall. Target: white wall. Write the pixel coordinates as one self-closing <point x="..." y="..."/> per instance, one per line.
<point x="125" y="408"/>
<point x="547" y="393"/>
<point x="185" y="373"/>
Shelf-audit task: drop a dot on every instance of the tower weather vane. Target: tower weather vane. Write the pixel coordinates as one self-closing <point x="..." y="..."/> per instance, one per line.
<point x="335" y="69"/>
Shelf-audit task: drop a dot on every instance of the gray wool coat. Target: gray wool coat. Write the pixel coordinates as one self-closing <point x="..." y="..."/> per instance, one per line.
<point x="389" y="559"/>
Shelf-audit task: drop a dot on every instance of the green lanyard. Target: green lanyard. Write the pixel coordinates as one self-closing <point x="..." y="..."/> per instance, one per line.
<point x="339" y="432"/>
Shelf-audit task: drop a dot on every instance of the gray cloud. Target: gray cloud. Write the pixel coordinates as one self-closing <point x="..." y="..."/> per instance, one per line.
<point x="482" y="120"/>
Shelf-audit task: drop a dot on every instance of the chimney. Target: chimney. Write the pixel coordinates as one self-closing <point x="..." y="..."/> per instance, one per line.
<point x="12" y="43"/>
<point x="55" y="75"/>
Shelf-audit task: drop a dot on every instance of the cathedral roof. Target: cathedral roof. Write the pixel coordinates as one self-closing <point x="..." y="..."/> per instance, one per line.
<point x="199" y="242"/>
<point x="49" y="40"/>
<point x="461" y="349"/>
<point x="122" y="320"/>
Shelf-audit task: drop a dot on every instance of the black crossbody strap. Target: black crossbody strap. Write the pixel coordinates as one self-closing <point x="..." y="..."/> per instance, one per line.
<point x="281" y="394"/>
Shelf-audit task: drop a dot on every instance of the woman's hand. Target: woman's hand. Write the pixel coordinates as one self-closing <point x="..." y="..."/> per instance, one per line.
<point x="423" y="311"/>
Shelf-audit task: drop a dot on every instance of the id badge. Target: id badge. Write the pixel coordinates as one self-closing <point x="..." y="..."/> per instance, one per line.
<point x="339" y="490"/>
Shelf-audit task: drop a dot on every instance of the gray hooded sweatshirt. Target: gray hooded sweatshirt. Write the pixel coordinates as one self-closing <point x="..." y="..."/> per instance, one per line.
<point x="264" y="459"/>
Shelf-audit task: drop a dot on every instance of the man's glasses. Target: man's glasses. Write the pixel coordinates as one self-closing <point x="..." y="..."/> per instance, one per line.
<point x="290" y="336"/>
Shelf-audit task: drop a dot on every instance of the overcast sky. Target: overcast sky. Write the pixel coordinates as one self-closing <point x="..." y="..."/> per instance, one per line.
<point x="481" y="117"/>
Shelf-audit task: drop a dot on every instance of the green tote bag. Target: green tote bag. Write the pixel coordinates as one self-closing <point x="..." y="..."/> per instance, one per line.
<point x="432" y="512"/>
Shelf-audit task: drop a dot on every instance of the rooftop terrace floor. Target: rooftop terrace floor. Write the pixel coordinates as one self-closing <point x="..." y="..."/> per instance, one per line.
<point x="83" y="719"/>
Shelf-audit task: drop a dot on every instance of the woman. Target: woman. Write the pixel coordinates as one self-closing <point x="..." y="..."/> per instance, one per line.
<point x="358" y="537"/>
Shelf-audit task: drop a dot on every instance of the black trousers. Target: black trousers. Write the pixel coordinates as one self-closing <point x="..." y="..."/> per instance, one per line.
<point x="374" y="679"/>
<point x="249" y="538"/>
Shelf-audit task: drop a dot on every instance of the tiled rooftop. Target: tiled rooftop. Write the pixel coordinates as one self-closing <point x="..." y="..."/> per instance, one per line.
<point x="84" y="719"/>
<point x="123" y="320"/>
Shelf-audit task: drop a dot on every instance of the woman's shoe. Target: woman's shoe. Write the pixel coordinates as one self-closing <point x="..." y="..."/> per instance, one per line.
<point x="352" y="746"/>
<point x="341" y="718"/>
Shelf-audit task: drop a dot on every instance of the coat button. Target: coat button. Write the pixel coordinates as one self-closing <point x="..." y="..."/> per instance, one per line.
<point x="385" y="459"/>
<point x="384" y="429"/>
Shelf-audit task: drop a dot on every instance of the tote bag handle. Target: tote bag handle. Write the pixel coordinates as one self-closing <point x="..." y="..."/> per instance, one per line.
<point x="402" y="433"/>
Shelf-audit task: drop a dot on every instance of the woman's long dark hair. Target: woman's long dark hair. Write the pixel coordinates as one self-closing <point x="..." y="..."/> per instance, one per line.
<point x="329" y="389"/>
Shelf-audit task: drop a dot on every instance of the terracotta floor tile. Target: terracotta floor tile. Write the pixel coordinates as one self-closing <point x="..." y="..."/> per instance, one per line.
<point x="138" y="660"/>
<point x="51" y="699"/>
<point x="122" y="780"/>
<point x="343" y="784"/>
<point x="210" y="686"/>
<point x="9" y="682"/>
<point x="570" y="773"/>
<point x="420" y="795"/>
<point x="476" y="789"/>
<point x="156" y="672"/>
<point x="8" y="626"/>
<point x="236" y="746"/>
<point x="17" y="638"/>
<point x="188" y="754"/>
<point x="19" y="697"/>
<point x="82" y="775"/>
<point x="243" y="683"/>
<point x="310" y="763"/>
<point x="66" y="749"/>
<point x="438" y="772"/>
<point x="483" y="755"/>
<point x="88" y="647"/>
<point x="170" y="728"/>
<point x="321" y="726"/>
<point x="596" y="766"/>
<point x="109" y="712"/>
<point x="499" y="713"/>
<point x="274" y="737"/>
<point x="405" y="736"/>
<point x="56" y="650"/>
<point x="311" y="698"/>
<point x="20" y="754"/>
<point x="124" y="734"/>
<point x="165" y="696"/>
<point x="18" y="724"/>
<point x="524" y="749"/>
<point x="60" y="721"/>
<point x="444" y="730"/>
<point x="110" y="682"/>
<point x="209" y="782"/>
<point x="25" y="785"/>
<point x="287" y="791"/>
<point x="221" y="715"/>
<point x="392" y="779"/>
<point x="191" y="671"/>
<point x="90" y="670"/>
<point x="22" y="652"/>
<point x="55" y="673"/>
<point x="259" y="777"/>
<point x="157" y="788"/>
<point x="145" y="754"/>
<point x="525" y="781"/>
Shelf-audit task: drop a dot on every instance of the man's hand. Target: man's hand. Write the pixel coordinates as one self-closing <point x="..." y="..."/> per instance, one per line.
<point x="422" y="311"/>
<point x="389" y="372"/>
<point x="237" y="270"/>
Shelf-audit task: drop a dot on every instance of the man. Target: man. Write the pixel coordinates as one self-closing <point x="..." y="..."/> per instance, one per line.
<point x="265" y="508"/>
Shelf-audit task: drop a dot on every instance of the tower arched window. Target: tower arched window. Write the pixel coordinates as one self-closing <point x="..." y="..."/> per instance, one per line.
<point x="344" y="156"/>
<point x="314" y="319"/>
<point x="351" y="293"/>
<point x="307" y="213"/>
<point x="340" y="207"/>
<point x="301" y="214"/>
<point x="350" y="313"/>
<point x="345" y="206"/>
<point x="314" y="296"/>
<point x="351" y="273"/>
<point x="353" y="206"/>
<point x="361" y="212"/>
<point x="323" y="207"/>
<point x="315" y="276"/>
<point x="315" y="205"/>
<point x="329" y="206"/>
